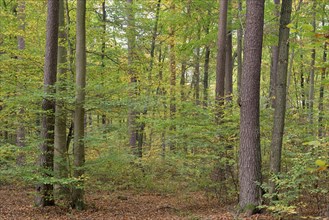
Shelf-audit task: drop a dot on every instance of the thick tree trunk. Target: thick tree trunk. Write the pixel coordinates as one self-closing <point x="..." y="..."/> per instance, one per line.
<point x="44" y="196"/>
<point x="60" y="148"/>
<point x="250" y="175"/>
<point x="79" y="113"/>
<point x="280" y="91"/>
<point x="221" y="55"/>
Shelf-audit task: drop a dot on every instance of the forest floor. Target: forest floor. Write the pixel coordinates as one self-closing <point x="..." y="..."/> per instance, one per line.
<point x="16" y="203"/>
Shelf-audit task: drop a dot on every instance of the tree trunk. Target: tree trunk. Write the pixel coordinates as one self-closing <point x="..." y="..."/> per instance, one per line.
<point x="229" y="59"/>
<point x="79" y="113"/>
<point x="250" y="176"/>
<point x="20" y="132"/>
<point x="221" y="55"/>
<point x="44" y="195"/>
<point x="321" y="132"/>
<point x="206" y="65"/>
<point x="239" y="51"/>
<point x="311" y="83"/>
<point x="280" y="91"/>
<point x="60" y="148"/>
<point x="197" y="71"/>
<point x="274" y="59"/>
<point x="172" y="58"/>
<point x="132" y="114"/>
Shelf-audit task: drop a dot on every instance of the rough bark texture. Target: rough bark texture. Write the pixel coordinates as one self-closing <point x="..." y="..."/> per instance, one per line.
<point x="60" y="148"/>
<point x="280" y="91"/>
<point x="79" y="113"/>
<point x="221" y="55"/>
<point x="44" y="196"/>
<point x="250" y="152"/>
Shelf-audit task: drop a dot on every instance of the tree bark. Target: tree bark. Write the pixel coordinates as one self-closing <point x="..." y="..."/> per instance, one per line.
<point x="250" y="153"/>
<point x="312" y="76"/>
<point x="221" y="55"/>
<point x="206" y="65"/>
<point x="229" y="59"/>
<point x="239" y="51"/>
<point x="274" y="59"/>
<point x="280" y="91"/>
<point x="172" y="60"/>
<point x="44" y="195"/>
<point x="60" y="148"/>
<point x="132" y="114"/>
<point x="20" y="132"/>
<point x="79" y="113"/>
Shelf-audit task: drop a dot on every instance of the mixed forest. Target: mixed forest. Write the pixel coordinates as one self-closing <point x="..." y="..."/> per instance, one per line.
<point x="226" y="99"/>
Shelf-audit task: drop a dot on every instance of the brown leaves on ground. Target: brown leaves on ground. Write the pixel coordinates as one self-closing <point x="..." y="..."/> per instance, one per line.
<point x="17" y="204"/>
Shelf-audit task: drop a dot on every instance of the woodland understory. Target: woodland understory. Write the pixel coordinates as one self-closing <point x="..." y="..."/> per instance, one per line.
<point x="164" y="109"/>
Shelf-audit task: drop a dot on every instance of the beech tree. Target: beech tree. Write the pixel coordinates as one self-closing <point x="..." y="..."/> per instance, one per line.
<point x="79" y="113"/>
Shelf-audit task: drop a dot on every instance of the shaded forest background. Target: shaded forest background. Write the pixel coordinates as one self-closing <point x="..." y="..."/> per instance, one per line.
<point x="152" y="120"/>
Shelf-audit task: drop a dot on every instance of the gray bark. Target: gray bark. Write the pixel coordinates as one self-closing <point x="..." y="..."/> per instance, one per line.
<point x="250" y="153"/>
<point x="274" y="59"/>
<point x="60" y="148"/>
<point x="79" y="113"/>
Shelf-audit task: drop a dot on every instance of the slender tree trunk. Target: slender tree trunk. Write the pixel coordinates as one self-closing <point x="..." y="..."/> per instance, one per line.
<point x="20" y="133"/>
<point x="154" y="36"/>
<point x="172" y="58"/>
<point x="221" y="55"/>
<point x="197" y="71"/>
<point x="44" y="196"/>
<point x="103" y="49"/>
<point x="60" y="148"/>
<point x="79" y="113"/>
<point x="229" y="59"/>
<point x="250" y="176"/>
<point x="274" y="59"/>
<point x="206" y="65"/>
<point x="311" y="83"/>
<point x="132" y="114"/>
<point x="239" y="50"/>
<point x="280" y="91"/>
<point x="321" y="132"/>
<point x="302" y="83"/>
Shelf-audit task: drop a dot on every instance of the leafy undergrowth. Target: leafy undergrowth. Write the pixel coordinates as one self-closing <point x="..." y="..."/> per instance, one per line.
<point x="17" y="204"/>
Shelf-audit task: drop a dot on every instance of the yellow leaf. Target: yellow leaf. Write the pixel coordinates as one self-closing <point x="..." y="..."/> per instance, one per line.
<point x="320" y="163"/>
